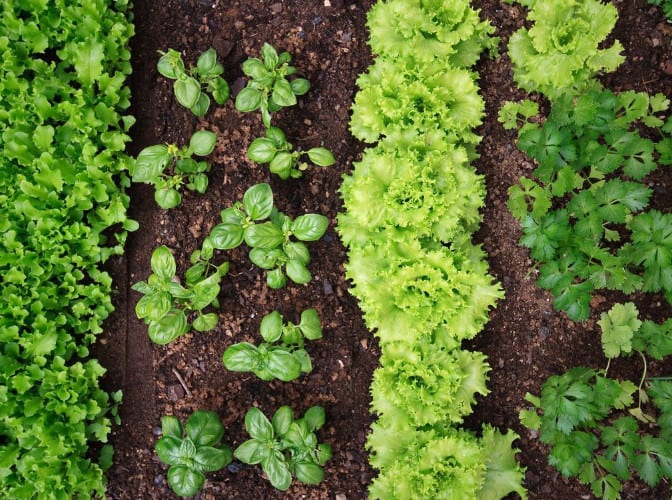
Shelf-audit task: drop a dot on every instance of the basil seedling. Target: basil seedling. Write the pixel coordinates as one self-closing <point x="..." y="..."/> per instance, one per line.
<point x="193" y="454"/>
<point x="189" y="85"/>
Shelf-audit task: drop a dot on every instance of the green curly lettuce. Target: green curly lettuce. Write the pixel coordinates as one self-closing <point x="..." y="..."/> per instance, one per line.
<point x="560" y="53"/>
<point x="407" y="291"/>
<point x="428" y="29"/>
<point x="422" y="384"/>
<point x="446" y="463"/>
<point x="425" y="193"/>
<point x="423" y="97"/>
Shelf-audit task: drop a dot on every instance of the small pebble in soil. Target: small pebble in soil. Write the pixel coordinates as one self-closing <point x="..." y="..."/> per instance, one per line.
<point x="234" y="467"/>
<point x="156" y="431"/>
<point x="276" y="8"/>
<point x="328" y="289"/>
<point x="341" y="496"/>
<point x="159" y="480"/>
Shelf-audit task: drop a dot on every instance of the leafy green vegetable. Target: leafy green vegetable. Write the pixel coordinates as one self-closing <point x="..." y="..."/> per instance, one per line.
<point x="277" y="244"/>
<point x="192" y="451"/>
<point x="189" y="85"/>
<point x="285" y="163"/>
<point x="268" y="88"/>
<point x="559" y="54"/>
<point x="166" y="304"/>
<point x="282" y="355"/>
<point x="285" y="447"/>
<point x="154" y="165"/>
<point x="582" y="212"/>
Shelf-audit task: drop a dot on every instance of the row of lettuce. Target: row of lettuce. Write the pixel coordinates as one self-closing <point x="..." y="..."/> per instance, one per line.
<point x="63" y="68"/>
<point x="411" y="206"/>
<point x="587" y="219"/>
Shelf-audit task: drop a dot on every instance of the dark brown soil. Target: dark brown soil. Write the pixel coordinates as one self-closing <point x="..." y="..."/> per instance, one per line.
<point x="526" y="340"/>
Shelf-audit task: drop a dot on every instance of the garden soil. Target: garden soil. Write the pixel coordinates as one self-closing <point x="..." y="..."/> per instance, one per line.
<point x="526" y="340"/>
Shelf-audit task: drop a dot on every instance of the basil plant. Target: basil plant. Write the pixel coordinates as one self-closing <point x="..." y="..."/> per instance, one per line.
<point x="192" y="451"/>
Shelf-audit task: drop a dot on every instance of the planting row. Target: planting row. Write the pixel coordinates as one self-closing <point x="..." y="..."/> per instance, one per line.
<point x="63" y="68"/>
<point x="411" y="207"/>
<point x="587" y="220"/>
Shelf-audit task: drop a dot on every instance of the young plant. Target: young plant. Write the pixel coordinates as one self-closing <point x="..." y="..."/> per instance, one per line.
<point x="268" y="88"/>
<point x="561" y="52"/>
<point x="276" y="244"/>
<point x="282" y="159"/>
<point x="168" y="168"/>
<point x="282" y="355"/>
<point x="285" y="447"/>
<point x="583" y="411"/>
<point x="166" y="304"/>
<point x="190" y="85"/>
<point x="583" y="211"/>
<point x="192" y="451"/>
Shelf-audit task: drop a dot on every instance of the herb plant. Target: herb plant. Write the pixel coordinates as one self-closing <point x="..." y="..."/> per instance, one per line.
<point x="168" y="168"/>
<point x="583" y="212"/>
<point x="166" y="303"/>
<point x="282" y="355"/>
<point x="559" y="54"/>
<point x="285" y="447"/>
<point x="192" y="451"/>
<point x="276" y="244"/>
<point x="268" y="88"/>
<point x="594" y="427"/>
<point x="282" y="159"/>
<point x="190" y="85"/>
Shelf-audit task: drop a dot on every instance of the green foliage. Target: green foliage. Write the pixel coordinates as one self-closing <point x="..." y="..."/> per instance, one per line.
<point x="268" y="89"/>
<point x="582" y="212"/>
<point x="277" y="244"/>
<point x="411" y="206"/>
<point x="63" y="95"/>
<point x="583" y="415"/>
<point x="428" y="29"/>
<point x="190" y="85"/>
<point x="192" y="451"/>
<point x="166" y="303"/>
<point x="285" y="447"/>
<point x="283" y="161"/>
<point x="168" y="168"/>
<point x="282" y="355"/>
<point x="559" y="54"/>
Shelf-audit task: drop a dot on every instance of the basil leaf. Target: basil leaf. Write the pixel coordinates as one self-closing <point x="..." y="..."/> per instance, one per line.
<point x="205" y="322"/>
<point x="226" y="236"/>
<point x="314" y="418"/>
<point x="170" y="64"/>
<point x="206" y="64"/>
<point x="210" y="459"/>
<point x="251" y="452"/>
<point x="283" y="365"/>
<point x="187" y="91"/>
<point x="220" y="90"/>
<point x="277" y="136"/>
<point x="163" y="263"/>
<point x="321" y="156"/>
<point x="257" y="424"/>
<point x="202" y="142"/>
<point x="324" y="453"/>
<point x="204" y="428"/>
<point x="168" y="449"/>
<point x="282" y="93"/>
<point x="200" y="108"/>
<point x="254" y="68"/>
<point x="167" y="198"/>
<point x="282" y="419"/>
<point x="265" y="235"/>
<point x="258" y="201"/>
<point x="265" y="259"/>
<point x="281" y="164"/>
<point x="310" y="325"/>
<point x="296" y="250"/>
<point x="154" y="306"/>
<point x="309" y="227"/>
<point x="271" y="326"/>
<point x="299" y="86"/>
<point x="308" y="473"/>
<point x="168" y="328"/>
<point x="205" y="292"/>
<point x="171" y="427"/>
<point x="200" y="183"/>
<point x="297" y="272"/>
<point x="248" y="99"/>
<point x="150" y="163"/>
<point x="261" y="150"/>
<point x="304" y="360"/>
<point x="276" y="279"/>
<point x="241" y="357"/>
<point x="277" y="472"/>
<point x="184" y="481"/>
<point x="270" y="56"/>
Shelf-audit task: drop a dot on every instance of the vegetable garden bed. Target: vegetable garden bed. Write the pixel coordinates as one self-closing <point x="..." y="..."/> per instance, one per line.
<point x="526" y="340"/>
